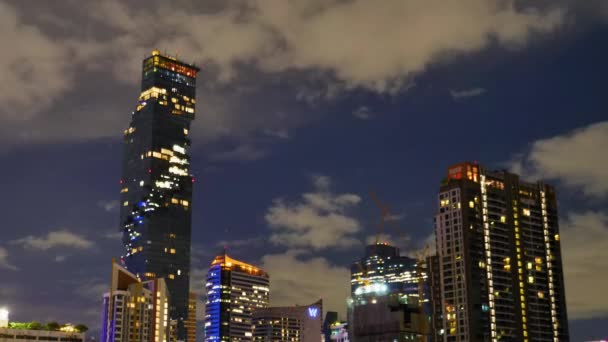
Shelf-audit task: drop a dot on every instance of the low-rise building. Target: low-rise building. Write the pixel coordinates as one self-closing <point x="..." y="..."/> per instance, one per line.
<point x="25" y="335"/>
<point x="289" y="323"/>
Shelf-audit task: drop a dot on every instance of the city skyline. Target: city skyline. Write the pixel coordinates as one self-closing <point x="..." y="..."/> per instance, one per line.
<point x="293" y="129"/>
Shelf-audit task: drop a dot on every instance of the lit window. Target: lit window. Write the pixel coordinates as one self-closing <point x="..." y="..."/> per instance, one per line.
<point x="503" y="219"/>
<point x="471" y="204"/>
<point x="556" y="237"/>
<point x="530" y="279"/>
<point x="171" y="276"/>
<point x="125" y="203"/>
<point x="526" y="212"/>
<point x="172" y="251"/>
<point x="185" y="131"/>
<point x="179" y="149"/>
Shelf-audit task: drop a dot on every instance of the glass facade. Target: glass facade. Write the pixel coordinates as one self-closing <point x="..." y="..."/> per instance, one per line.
<point x="156" y="185"/>
<point x="234" y="291"/>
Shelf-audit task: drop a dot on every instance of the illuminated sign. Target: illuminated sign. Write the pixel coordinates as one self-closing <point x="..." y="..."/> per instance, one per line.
<point x="313" y="312"/>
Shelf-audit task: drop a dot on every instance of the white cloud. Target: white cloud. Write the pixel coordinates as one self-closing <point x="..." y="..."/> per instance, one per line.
<point x="35" y="67"/>
<point x="109" y="206"/>
<point x="295" y="279"/>
<point x="318" y="220"/>
<point x="363" y="113"/>
<point x="93" y="289"/>
<point x="584" y="238"/>
<point x="60" y="238"/>
<point x="277" y="133"/>
<point x="576" y="158"/>
<point x="344" y="44"/>
<point x="4" y="263"/>
<point x="60" y="258"/>
<point x="244" y="152"/>
<point x="248" y="242"/>
<point x="113" y="235"/>
<point x="276" y="36"/>
<point x="466" y="93"/>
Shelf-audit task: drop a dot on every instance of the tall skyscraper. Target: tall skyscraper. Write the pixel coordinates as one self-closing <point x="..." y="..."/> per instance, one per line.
<point x="388" y="297"/>
<point x="156" y="193"/>
<point x="499" y="258"/>
<point x="234" y="290"/>
<point x="134" y="310"/>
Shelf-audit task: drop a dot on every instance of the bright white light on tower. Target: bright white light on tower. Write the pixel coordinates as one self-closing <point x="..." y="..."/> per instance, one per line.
<point x="3" y="317"/>
<point x="378" y="288"/>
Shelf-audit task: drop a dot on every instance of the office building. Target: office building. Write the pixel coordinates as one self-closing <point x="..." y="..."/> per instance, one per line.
<point x="339" y="332"/>
<point x="498" y="249"/>
<point x="156" y="184"/>
<point x="299" y="323"/>
<point x="234" y="290"/>
<point x="388" y="297"/>
<point x="134" y="310"/>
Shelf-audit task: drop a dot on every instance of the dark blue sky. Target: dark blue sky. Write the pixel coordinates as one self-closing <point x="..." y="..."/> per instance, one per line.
<point x="270" y="130"/>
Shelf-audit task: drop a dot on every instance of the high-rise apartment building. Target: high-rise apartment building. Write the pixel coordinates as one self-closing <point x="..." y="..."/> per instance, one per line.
<point x="134" y="310"/>
<point x="499" y="259"/>
<point x="156" y="185"/>
<point x="388" y="297"/>
<point x="299" y="323"/>
<point x="234" y="290"/>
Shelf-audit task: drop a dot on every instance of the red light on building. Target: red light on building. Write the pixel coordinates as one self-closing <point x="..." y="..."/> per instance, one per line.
<point x="469" y="171"/>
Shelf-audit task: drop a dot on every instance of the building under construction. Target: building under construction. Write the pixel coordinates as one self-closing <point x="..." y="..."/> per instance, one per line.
<point x="388" y="297"/>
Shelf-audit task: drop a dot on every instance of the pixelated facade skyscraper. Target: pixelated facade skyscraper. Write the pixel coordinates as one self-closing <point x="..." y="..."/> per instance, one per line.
<point x="156" y="184"/>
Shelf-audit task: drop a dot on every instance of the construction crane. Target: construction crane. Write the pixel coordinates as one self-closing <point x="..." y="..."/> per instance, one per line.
<point x="385" y="213"/>
<point x="421" y="255"/>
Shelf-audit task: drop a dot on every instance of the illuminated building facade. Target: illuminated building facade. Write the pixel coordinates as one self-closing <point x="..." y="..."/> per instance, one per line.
<point x="190" y="323"/>
<point x="499" y="258"/>
<point x="134" y="310"/>
<point x="289" y="323"/>
<point x="156" y="185"/>
<point x="234" y="290"/>
<point x="385" y="303"/>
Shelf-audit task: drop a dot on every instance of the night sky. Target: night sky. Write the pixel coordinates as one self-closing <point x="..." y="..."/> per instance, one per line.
<point x="303" y="107"/>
